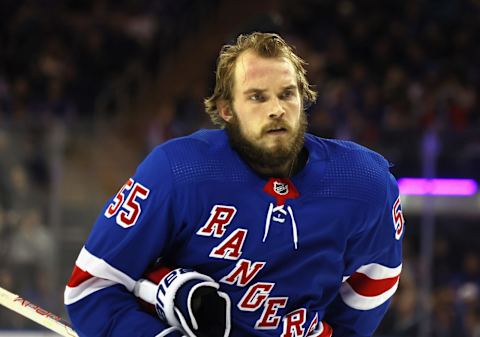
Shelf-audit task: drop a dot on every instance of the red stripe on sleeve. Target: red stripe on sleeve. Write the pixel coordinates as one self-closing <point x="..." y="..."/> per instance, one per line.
<point x="365" y="286"/>
<point x="78" y="277"/>
<point x="158" y="274"/>
<point x="327" y="330"/>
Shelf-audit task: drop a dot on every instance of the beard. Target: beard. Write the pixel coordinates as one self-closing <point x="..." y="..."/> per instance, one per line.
<point x="267" y="158"/>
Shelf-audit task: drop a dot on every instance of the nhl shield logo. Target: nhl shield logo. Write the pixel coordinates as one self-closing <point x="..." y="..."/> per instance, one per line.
<point x="280" y="188"/>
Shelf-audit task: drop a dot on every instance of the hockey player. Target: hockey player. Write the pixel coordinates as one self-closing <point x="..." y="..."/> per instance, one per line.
<point x="273" y="231"/>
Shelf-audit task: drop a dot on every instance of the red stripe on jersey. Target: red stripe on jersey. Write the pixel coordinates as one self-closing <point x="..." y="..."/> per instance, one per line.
<point x="365" y="286"/>
<point x="78" y="277"/>
<point x="158" y="274"/>
<point x="327" y="330"/>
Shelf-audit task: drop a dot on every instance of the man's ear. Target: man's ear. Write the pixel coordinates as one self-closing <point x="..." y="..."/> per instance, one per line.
<point x="225" y="111"/>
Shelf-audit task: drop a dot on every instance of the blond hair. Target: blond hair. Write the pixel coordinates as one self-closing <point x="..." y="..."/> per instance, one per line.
<point x="268" y="45"/>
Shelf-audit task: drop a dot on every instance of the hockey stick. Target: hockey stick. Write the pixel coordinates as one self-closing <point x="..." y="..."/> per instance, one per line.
<point x="35" y="313"/>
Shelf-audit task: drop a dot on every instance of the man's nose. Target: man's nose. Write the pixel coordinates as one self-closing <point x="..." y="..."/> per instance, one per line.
<point x="276" y="109"/>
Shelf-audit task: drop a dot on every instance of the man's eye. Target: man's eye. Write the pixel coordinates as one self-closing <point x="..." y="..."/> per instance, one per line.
<point x="287" y="94"/>
<point x="257" y="98"/>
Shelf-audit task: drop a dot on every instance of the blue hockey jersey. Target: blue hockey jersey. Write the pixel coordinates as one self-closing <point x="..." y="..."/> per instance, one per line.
<point x="323" y="245"/>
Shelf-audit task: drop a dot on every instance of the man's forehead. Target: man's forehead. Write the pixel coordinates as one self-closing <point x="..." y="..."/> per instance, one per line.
<point x="251" y="67"/>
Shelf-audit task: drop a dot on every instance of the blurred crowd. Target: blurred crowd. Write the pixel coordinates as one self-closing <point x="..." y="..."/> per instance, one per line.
<point x="402" y="78"/>
<point x="57" y="57"/>
<point x="455" y="284"/>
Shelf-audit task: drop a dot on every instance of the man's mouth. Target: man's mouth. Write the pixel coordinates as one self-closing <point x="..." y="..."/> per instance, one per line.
<point x="278" y="130"/>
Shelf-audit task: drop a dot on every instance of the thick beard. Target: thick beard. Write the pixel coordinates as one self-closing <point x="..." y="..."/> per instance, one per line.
<point x="272" y="160"/>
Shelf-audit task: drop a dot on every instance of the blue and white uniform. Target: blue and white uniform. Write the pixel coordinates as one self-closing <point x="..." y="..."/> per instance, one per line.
<point x="323" y="245"/>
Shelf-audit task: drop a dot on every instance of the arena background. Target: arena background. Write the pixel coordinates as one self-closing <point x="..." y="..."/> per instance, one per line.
<point x="88" y="88"/>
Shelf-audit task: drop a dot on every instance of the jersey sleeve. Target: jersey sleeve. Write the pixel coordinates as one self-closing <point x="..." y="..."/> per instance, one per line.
<point x="373" y="262"/>
<point x="135" y="227"/>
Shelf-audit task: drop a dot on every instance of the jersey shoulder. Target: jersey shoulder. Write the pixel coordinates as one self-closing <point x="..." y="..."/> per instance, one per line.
<point x="205" y="155"/>
<point x="352" y="170"/>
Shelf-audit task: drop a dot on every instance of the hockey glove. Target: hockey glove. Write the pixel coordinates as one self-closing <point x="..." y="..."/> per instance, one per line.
<point x="187" y="300"/>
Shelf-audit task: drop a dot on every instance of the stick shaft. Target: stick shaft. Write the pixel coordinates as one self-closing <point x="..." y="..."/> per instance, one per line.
<point x="35" y="313"/>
